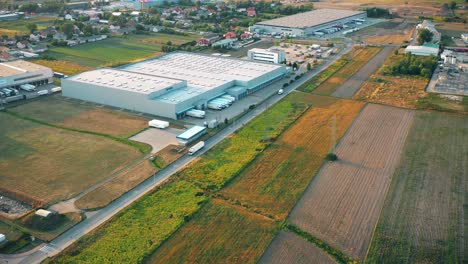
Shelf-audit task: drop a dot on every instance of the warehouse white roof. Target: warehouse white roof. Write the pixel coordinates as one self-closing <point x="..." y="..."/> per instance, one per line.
<point x="19" y="67"/>
<point x="311" y="18"/>
<point x="202" y="71"/>
<point x="422" y="50"/>
<point x="124" y="80"/>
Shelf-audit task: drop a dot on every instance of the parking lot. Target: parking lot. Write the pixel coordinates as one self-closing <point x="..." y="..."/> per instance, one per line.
<point x="24" y="95"/>
<point x="158" y="138"/>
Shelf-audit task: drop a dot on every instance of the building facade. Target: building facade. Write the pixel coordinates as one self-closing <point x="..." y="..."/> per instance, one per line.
<point x="267" y="55"/>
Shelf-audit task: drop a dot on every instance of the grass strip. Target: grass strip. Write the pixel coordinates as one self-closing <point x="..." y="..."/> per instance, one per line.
<point x="320" y="78"/>
<point x="143" y="148"/>
<point x="336" y="254"/>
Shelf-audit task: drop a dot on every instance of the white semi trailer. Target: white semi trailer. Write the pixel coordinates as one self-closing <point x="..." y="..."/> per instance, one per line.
<point x="196" y="147"/>
<point x="196" y="113"/>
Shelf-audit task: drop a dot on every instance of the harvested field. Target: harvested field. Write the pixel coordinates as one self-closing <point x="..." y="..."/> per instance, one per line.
<point x="219" y="233"/>
<point x="288" y="248"/>
<point x="55" y="164"/>
<point x="352" y="85"/>
<point x="424" y="216"/>
<point x="83" y="116"/>
<point x="359" y="57"/>
<point x="119" y="185"/>
<point x="342" y="204"/>
<point x="273" y="183"/>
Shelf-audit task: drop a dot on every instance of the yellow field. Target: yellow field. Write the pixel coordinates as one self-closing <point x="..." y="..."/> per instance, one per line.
<point x="65" y="67"/>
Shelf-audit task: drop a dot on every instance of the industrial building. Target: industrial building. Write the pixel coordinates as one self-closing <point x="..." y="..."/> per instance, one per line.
<point x="172" y="84"/>
<point x="309" y="23"/>
<point x="191" y="134"/>
<point x="15" y="73"/>
<point x="267" y="55"/>
<point x="424" y="50"/>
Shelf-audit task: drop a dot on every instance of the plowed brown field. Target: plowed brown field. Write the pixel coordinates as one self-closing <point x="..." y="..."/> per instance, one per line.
<point x="288" y="248"/>
<point x="342" y="204"/>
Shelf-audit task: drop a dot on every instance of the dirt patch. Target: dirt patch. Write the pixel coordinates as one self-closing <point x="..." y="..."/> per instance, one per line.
<point x="342" y="204"/>
<point x="288" y="248"/>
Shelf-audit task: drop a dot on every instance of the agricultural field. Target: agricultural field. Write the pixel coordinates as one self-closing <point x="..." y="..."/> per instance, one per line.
<point x="119" y="185"/>
<point x="18" y="27"/>
<point x="274" y="182"/>
<point x="358" y="58"/>
<point x="423" y="219"/>
<point x="116" y="50"/>
<point x="56" y="164"/>
<point x="352" y="189"/>
<point x="404" y="91"/>
<point x="288" y="248"/>
<point x="138" y="230"/>
<point x="397" y="31"/>
<point x="318" y="79"/>
<point x="65" y="67"/>
<point x="219" y="233"/>
<point x="228" y="158"/>
<point x="80" y="115"/>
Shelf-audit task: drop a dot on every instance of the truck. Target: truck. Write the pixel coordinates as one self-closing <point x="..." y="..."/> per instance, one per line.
<point x="196" y="147"/>
<point x="232" y="99"/>
<point x="196" y="113"/>
<point x="222" y="101"/>
<point x="214" y="106"/>
<point x="158" y="124"/>
<point x="28" y="87"/>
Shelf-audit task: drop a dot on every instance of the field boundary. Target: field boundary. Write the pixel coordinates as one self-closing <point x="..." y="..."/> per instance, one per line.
<point x="327" y="248"/>
<point x="142" y="147"/>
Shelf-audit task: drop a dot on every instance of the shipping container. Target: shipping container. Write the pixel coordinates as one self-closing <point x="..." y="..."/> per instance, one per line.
<point x="158" y="124"/>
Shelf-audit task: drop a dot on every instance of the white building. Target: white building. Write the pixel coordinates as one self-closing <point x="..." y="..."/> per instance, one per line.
<point x="464" y="37"/>
<point x="308" y="23"/>
<point x="267" y="55"/>
<point x="422" y="50"/>
<point x="15" y="73"/>
<point x="172" y="84"/>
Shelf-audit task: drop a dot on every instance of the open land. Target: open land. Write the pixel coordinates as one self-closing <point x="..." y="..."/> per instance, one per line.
<point x="393" y="31"/>
<point x="342" y="204"/>
<point x="358" y="58"/>
<point x="18" y="27"/>
<point x="65" y="67"/>
<point x="151" y="220"/>
<point x="404" y="91"/>
<point x="55" y="164"/>
<point x="288" y="248"/>
<point x="220" y="232"/>
<point x="81" y="115"/>
<point x="274" y="182"/>
<point x="424" y="216"/>
<point x="352" y="85"/>
<point x="119" y="185"/>
<point x="117" y="50"/>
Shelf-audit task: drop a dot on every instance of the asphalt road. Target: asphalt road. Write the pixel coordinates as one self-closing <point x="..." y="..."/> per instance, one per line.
<point x="97" y="218"/>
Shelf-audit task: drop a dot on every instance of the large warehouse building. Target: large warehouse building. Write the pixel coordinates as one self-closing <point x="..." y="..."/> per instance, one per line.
<point x="172" y="84"/>
<point x="307" y="23"/>
<point x="15" y="73"/>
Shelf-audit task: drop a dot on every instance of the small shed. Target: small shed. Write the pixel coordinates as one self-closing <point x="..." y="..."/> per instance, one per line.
<point x="2" y="238"/>
<point x="43" y="213"/>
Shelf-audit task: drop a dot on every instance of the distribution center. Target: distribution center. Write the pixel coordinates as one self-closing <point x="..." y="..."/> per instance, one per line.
<point x="309" y="23"/>
<point x="172" y="84"/>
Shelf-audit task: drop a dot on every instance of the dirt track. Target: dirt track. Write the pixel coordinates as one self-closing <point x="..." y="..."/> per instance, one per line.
<point x="289" y="248"/>
<point x="352" y="85"/>
<point x="342" y="204"/>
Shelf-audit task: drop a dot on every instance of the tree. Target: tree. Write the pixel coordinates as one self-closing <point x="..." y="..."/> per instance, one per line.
<point x="424" y="35"/>
<point x="67" y="29"/>
<point x="309" y="67"/>
<point x="32" y="27"/>
<point x="453" y="5"/>
<point x="294" y="66"/>
<point x="88" y="30"/>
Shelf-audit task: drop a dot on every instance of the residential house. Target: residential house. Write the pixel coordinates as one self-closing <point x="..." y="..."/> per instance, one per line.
<point x="34" y="38"/>
<point x="251" y="12"/>
<point x="208" y="39"/>
<point x="22" y="44"/>
<point x="37" y="48"/>
<point x="230" y="35"/>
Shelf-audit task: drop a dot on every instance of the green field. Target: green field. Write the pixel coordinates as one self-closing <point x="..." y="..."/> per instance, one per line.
<point x="424" y="216"/>
<point x="219" y="233"/>
<point x="18" y="27"/>
<point x="117" y="50"/>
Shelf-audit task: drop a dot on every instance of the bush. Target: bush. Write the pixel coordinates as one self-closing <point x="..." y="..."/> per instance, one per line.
<point x="331" y="157"/>
<point x="46" y="223"/>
